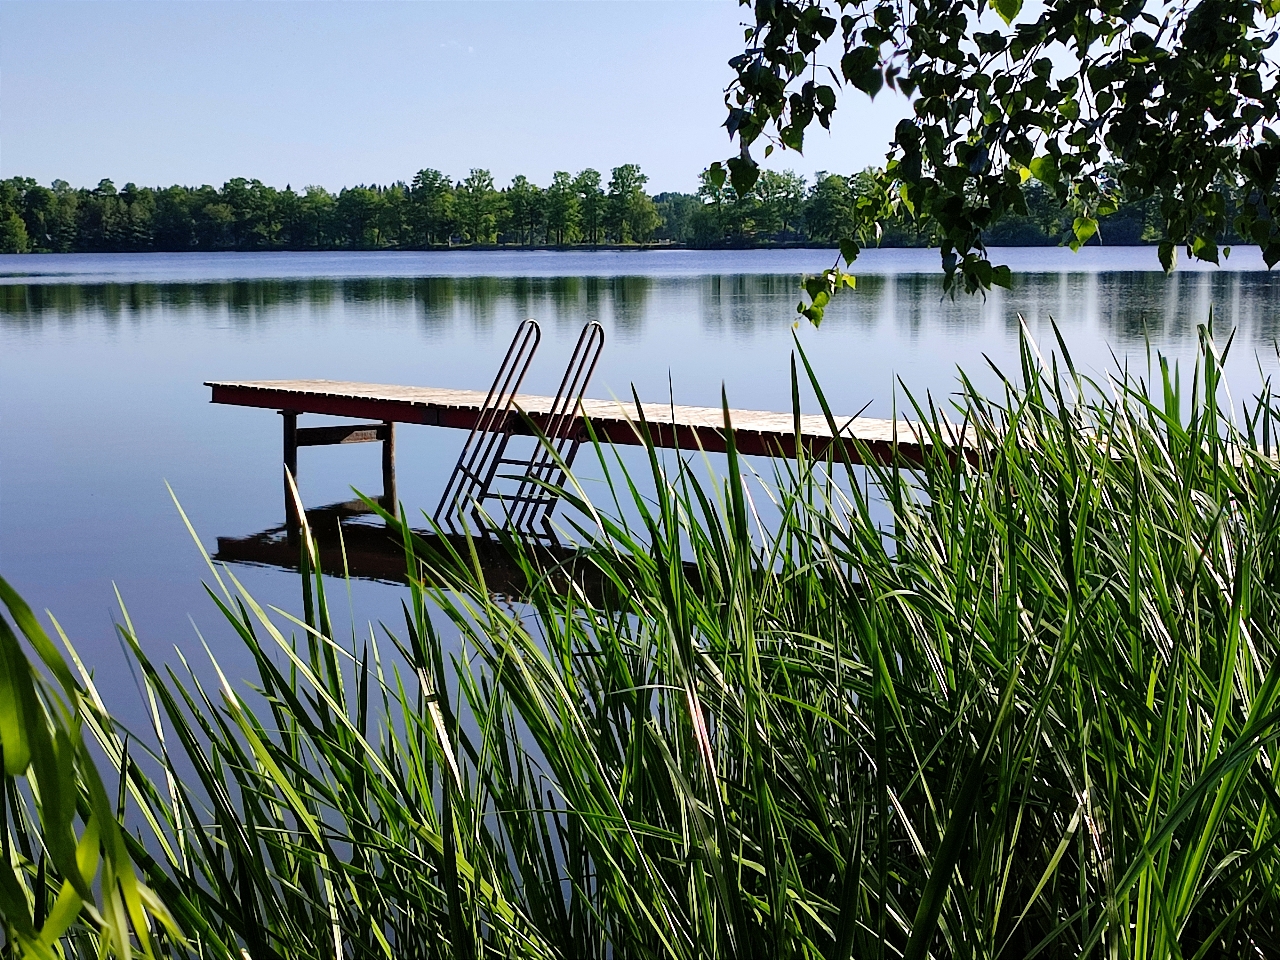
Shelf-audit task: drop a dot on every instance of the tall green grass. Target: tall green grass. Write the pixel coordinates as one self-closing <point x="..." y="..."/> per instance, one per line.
<point x="1020" y="702"/>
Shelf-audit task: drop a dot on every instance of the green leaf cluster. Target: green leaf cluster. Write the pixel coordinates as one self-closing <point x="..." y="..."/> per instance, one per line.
<point x="1173" y="102"/>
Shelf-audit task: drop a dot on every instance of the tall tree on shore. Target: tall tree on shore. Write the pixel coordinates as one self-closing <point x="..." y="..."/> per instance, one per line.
<point x="13" y="229"/>
<point x="714" y="195"/>
<point x="61" y="219"/>
<point x="631" y="215"/>
<point x="360" y="213"/>
<point x="255" y="213"/>
<point x="723" y="213"/>
<point x="781" y="196"/>
<point x="431" y="208"/>
<point x="317" y="227"/>
<point x="678" y="211"/>
<point x="478" y="207"/>
<point x="174" y="223"/>
<point x="524" y="209"/>
<point x="591" y="204"/>
<point x="13" y="233"/>
<point x="37" y="208"/>
<point x="103" y="224"/>
<point x="137" y="227"/>
<point x="564" y="213"/>
<point x="830" y="214"/>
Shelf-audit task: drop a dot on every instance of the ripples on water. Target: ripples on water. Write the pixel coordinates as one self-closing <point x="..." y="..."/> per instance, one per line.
<point x="1123" y="307"/>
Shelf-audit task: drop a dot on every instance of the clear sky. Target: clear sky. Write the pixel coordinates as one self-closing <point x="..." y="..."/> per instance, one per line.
<point x="338" y="93"/>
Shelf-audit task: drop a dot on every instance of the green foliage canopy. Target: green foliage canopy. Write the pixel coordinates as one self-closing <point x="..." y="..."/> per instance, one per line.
<point x="1182" y="95"/>
<point x="564" y="211"/>
<point x="434" y="210"/>
<point x="592" y="204"/>
<point x="479" y="207"/>
<point x="631" y="212"/>
<point x="432" y="193"/>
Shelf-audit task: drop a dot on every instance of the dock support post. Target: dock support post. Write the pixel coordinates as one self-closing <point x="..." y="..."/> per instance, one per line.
<point x="290" y="468"/>
<point x="390" y="502"/>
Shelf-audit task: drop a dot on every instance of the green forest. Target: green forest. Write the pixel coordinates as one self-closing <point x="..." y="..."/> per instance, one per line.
<point x="433" y="210"/>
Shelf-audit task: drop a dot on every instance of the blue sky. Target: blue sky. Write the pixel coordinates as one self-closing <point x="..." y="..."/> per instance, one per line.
<point x="338" y="93"/>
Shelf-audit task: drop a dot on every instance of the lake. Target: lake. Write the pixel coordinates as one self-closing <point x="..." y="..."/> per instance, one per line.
<point x="102" y="360"/>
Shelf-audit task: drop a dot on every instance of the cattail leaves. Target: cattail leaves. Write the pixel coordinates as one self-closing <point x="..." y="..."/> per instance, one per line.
<point x="40" y="731"/>
<point x="1020" y="698"/>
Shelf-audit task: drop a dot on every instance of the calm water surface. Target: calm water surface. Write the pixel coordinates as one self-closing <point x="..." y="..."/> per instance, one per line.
<point x="102" y="360"/>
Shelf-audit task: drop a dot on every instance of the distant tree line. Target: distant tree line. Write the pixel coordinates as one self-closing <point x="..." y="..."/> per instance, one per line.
<point x="433" y="210"/>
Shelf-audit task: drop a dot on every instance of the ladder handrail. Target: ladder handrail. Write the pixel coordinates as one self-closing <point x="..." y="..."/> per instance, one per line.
<point x="483" y="455"/>
<point x="488" y="437"/>
<point x="561" y="437"/>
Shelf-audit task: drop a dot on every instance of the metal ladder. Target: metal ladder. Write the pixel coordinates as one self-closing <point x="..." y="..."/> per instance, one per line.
<point x="480" y="468"/>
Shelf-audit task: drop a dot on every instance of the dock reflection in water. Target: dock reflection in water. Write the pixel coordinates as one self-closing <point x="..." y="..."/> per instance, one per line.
<point x="350" y="539"/>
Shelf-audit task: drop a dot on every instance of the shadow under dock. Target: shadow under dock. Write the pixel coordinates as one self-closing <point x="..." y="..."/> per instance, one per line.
<point x="350" y="540"/>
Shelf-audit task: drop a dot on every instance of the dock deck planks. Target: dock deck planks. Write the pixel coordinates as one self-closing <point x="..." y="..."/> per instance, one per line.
<point x="756" y="432"/>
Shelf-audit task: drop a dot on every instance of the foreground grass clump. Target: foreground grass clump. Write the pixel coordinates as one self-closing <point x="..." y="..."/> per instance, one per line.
<point x="1036" y="714"/>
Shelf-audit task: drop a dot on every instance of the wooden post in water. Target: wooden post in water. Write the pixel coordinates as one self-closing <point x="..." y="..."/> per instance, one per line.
<point x="390" y="503"/>
<point x="290" y="468"/>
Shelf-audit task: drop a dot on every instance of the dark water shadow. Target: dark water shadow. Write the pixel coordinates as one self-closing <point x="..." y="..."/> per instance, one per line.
<point x="350" y="540"/>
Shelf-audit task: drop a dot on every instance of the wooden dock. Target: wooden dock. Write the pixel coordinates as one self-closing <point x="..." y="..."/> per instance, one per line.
<point x="756" y="432"/>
